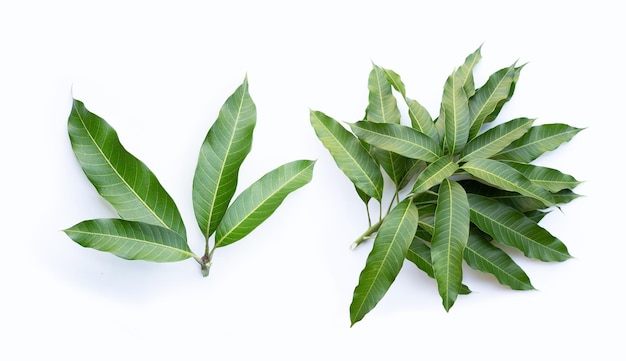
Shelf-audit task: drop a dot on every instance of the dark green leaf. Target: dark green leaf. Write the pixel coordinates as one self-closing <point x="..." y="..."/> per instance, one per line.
<point x="489" y="96"/>
<point x="549" y="178"/>
<point x="537" y="141"/>
<point x="495" y="139"/>
<point x="455" y="115"/>
<point x="434" y="174"/>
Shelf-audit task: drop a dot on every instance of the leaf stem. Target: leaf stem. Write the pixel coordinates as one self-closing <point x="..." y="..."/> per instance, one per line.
<point x="366" y="235"/>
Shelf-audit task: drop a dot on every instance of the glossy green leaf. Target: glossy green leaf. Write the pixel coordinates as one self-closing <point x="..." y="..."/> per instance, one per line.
<point x="131" y="240"/>
<point x="120" y="178"/>
<point x="507" y="178"/>
<point x="256" y="203"/>
<point x="466" y="72"/>
<point x="434" y="174"/>
<point x="489" y="96"/>
<point x="385" y="259"/>
<point x="495" y="139"/>
<point x="483" y="256"/>
<point x="351" y="157"/>
<point x="512" y="228"/>
<point x="549" y="178"/>
<point x="537" y="141"/>
<point x="452" y="222"/>
<point x="382" y="106"/>
<point x="455" y="114"/>
<point x="399" y="139"/>
<point x="224" y="149"/>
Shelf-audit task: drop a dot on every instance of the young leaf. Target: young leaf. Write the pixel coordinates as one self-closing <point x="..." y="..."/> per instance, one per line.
<point x="512" y="228"/>
<point x="256" y="203"/>
<point x="120" y="178"/>
<point x="382" y="106"/>
<point x="399" y="139"/>
<point x="537" y="141"/>
<point x="452" y="222"/>
<point x="225" y="146"/>
<point x="455" y="114"/>
<point x="495" y="139"/>
<point x="434" y="174"/>
<point x="385" y="260"/>
<point x="131" y="240"/>
<point x="507" y="178"/>
<point x="354" y="160"/>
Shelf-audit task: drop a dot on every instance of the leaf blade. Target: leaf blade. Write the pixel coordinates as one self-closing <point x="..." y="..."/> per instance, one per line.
<point x="382" y="105"/>
<point x="495" y="139"/>
<point x="456" y="113"/>
<point x="537" y="141"/>
<point x="434" y="174"/>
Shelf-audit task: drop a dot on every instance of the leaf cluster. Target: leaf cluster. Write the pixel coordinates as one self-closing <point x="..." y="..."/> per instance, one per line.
<point x="463" y="185"/>
<point x="150" y="226"/>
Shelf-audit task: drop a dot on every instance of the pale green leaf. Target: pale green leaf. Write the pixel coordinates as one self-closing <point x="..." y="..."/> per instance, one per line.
<point x="351" y="157"/>
<point x="455" y="113"/>
<point x="452" y="222"/>
<point x="434" y="174"/>
<point x="495" y="139"/>
<point x="385" y="259"/>
<point x="382" y="106"/>
<point x="421" y="119"/>
<point x="395" y="80"/>
<point x="488" y="96"/>
<point x="399" y="139"/>
<point x="508" y="178"/>
<point x="549" y="178"/>
<point x="512" y="228"/>
<point x="466" y="72"/>
<point x="257" y="202"/>
<point x="395" y="165"/>
<point x="120" y="178"/>
<point x="537" y="141"/>
<point x="131" y="240"/>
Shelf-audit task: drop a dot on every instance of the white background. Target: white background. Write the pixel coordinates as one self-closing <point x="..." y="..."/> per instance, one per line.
<point x="159" y="71"/>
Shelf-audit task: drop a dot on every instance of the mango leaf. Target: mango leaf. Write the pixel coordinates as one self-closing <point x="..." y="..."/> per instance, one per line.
<point x="382" y="106"/>
<point x="385" y="260"/>
<point x="508" y="178"/>
<point x="537" y="141"/>
<point x="512" y="228"/>
<point x="495" y="139"/>
<point x="494" y="114"/>
<point x="434" y="174"/>
<point x="483" y="256"/>
<point x="256" y="203"/>
<point x="395" y="165"/>
<point x="131" y="240"/>
<point x="487" y="97"/>
<point x="466" y="72"/>
<point x="399" y="139"/>
<point x="120" y="178"/>
<point x="455" y="113"/>
<point x="351" y="157"/>
<point x="549" y="178"/>
<point x="421" y="119"/>
<point x="225" y="146"/>
<point x="452" y="222"/>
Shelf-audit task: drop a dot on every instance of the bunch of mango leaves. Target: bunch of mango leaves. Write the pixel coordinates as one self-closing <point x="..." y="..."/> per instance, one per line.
<point x="150" y="226"/>
<point x="463" y="185"/>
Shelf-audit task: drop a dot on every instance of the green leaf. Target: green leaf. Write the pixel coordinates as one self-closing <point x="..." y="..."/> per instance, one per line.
<point x="120" y="178"/>
<point x="508" y="178"/>
<point x="466" y="70"/>
<point x="537" y="141"/>
<point x="512" y="228"/>
<point x="455" y="114"/>
<point x="385" y="260"/>
<point x="131" y="240"/>
<point x="256" y="203"/>
<point x="452" y="222"/>
<point x="382" y="106"/>
<point x="224" y="149"/>
<point x="483" y="256"/>
<point x="399" y="139"/>
<point x="421" y="119"/>
<point x="495" y="139"/>
<point x="549" y="178"/>
<point x="494" y="114"/>
<point x="351" y="157"/>
<point x="434" y="174"/>
<point x="395" y="165"/>
<point x="487" y="97"/>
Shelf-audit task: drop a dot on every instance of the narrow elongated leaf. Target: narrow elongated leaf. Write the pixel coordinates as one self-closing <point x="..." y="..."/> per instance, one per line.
<point x="351" y="157"/>
<point x="488" y="96"/>
<point x="483" y="256"/>
<point x="256" y="203"/>
<point x="466" y="72"/>
<point x="385" y="260"/>
<point x="395" y="165"/>
<point x="494" y="114"/>
<point x="421" y="119"/>
<point x="508" y="178"/>
<point x="120" y="178"/>
<point x="434" y="174"/>
<point x="495" y="139"/>
<point x="549" y="178"/>
<point x="452" y="222"/>
<point x="455" y="113"/>
<point x="395" y="80"/>
<point x="131" y="240"/>
<point x="537" y="141"/>
<point x="512" y="228"/>
<point x="225" y="146"/>
<point x="399" y="139"/>
<point x="382" y="106"/>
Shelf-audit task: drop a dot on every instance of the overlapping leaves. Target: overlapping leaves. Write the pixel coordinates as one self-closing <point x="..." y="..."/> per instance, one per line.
<point x="462" y="189"/>
<point x="150" y="226"/>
